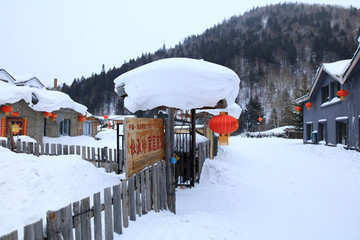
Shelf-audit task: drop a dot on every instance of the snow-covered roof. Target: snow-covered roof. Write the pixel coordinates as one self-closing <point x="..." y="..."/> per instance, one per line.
<point x="181" y="83"/>
<point x="337" y="69"/>
<point x="31" y="82"/>
<point x="5" y="76"/>
<point x="48" y="100"/>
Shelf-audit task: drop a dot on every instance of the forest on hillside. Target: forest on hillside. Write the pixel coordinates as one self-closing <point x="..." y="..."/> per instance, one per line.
<point x="275" y="50"/>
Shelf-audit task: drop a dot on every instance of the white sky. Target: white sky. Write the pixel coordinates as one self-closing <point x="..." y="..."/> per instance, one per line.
<point x="68" y="39"/>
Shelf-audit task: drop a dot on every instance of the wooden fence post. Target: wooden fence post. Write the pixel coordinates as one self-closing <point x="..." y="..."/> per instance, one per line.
<point x="85" y="219"/>
<point x="97" y="217"/>
<point x="125" y="204"/>
<point x="83" y="151"/>
<point x="132" y="199"/>
<point x="11" y="236"/>
<point x="148" y="190"/>
<point x="65" y="150"/>
<point x="109" y="232"/>
<point x="60" y="224"/>
<point x="53" y="149"/>
<point x="77" y="150"/>
<point x="137" y="189"/>
<point x="47" y="149"/>
<point x="18" y="146"/>
<point x="59" y="149"/>
<point x="143" y="191"/>
<point x="117" y="209"/>
<point x="76" y="211"/>
<point x="34" y="231"/>
<point x="72" y="149"/>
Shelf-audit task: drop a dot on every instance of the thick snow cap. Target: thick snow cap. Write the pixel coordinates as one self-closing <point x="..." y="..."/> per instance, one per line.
<point x="181" y="83"/>
<point x="48" y="100"/>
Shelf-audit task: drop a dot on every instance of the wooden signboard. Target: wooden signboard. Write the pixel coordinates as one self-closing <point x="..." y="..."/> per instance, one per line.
<point x="144" y="143"/>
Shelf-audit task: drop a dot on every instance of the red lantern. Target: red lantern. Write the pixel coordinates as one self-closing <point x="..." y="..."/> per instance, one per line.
<point x="6" y="109"/>
<point x="308" y="105"/>
<point x="54" y="116"/>
<point x="342" y="94"/>
<point x="82" y="119"/>
<point x="106" y="117"/>
<point x="48" y="114"/>
<point x="224" y="124"/>
<point x="260" y="119"/>
<point x="298" y="109"/>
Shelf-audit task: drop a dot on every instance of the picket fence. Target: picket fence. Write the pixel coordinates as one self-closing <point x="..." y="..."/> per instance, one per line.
<point x="134" y="197"/>
<point x="101" y="157"/>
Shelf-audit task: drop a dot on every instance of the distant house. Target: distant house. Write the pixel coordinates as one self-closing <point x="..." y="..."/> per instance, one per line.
<point x="30" y="109"/>
<point x="331" y="120"/>
<point x="6" y="77"/>
<point x="31" y="82"/>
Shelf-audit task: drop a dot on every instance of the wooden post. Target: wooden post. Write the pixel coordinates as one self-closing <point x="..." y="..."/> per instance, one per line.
<point x="125" y="206"/>
<point x="11" y="136"/>
<point x="117" y="209"/>
<point x="193" y="155"/>
<point x="85" y="220"/>
<point x="109" y="232"/>
<point x="11" y="236"/>
<point x="169" y="152"/>
<point x="132" y="198"/>
<point x="76" y="211"/>
<point x="34" y="231"/>
<point x="97" y="217"/>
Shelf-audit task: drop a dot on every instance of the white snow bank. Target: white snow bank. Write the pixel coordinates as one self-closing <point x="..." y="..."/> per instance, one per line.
<point x="49" y="101"/>
<point x="181" y="83"/>
<point x="31" y="185"/>
<point x="233" y="110"/>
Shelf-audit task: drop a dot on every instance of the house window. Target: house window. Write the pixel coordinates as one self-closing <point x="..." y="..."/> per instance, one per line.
<point x="325" y="94"/>
<point x="309" y="130"/>
<point x="87" y="128"/>
<point x="335" y="87"/>
<point x="64" y="127"/>
<point x="341" y="132"/>
<point x="322" y="131"/>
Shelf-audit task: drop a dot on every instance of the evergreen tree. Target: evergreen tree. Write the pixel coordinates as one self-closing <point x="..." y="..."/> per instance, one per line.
<point x="253" y="111"/>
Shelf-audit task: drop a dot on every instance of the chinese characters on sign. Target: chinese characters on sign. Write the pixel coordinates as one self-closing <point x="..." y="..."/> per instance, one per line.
<point x="145" y="143"/>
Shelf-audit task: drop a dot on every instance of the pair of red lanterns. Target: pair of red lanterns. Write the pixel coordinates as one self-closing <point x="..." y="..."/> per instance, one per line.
<point x="50" y="115"/>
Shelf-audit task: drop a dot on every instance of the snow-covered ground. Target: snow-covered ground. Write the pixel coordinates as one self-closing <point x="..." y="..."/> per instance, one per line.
<point x="256" y="188"/>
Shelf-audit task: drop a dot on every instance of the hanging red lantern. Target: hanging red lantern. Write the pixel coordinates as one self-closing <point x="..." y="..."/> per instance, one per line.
<point x="106" y="117"/>
<point x="82" y="119"/>
<point x="260" y="119"/>
<point x="308" y="105"/>
<point x="6" y="109"/>
<point x="224" y="124"/>
<point x="298" y="109"/>
<point x="48" y="114"/>
<point x="342" y="94"/>
<point x="54" y="116"/>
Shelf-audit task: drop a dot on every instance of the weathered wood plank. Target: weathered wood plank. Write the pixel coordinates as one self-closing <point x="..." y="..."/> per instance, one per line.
<point x="148" y="190"/>
<point x="132" y="199"/>
<point x="72" y="149"/>
<point x="97" y="217"/>
<point x="154" y="187"/>
<point x="98" y="157"/>
<point x="34" y="231"/>
<point x="163" y="186"/>
<point x="109" y="231"/>
<point x="37" y="150"/>
<point x="59" y="224"/>
<point x="83" y="151"/>
<point x="117" y="209"/>
<point x="59" y="149"/>
<point x="18" y="146"/>
<point x="11" y="236"/>
<point x="138" y="199"/>
<point x="124" y="204"/>
<point x="93" y="156"/>
<point x="158" y="183"/>
<point x="24" y="147"/>
<point x="3" y="144"/>
<point x="85" y="219"/>
<point x="65" y="149"/>
<point x="77" y="225"/>
<point x="53" y="149"/>
<point x="47" y="149"/>
<point x="143" y="191"/>
<point x="31" y="148"/>
<point x="77" y="150"/>
<point x="42" y="149"/>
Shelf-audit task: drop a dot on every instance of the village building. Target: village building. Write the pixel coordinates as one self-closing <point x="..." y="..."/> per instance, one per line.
<point x="332" y="117"/>
<point x="29" y="109"/>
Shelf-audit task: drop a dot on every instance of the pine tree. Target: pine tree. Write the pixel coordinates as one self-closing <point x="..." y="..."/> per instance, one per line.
<point x="253" y="111"/>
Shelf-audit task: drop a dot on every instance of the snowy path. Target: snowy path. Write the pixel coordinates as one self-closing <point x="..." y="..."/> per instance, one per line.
<point x="271" y="189"/>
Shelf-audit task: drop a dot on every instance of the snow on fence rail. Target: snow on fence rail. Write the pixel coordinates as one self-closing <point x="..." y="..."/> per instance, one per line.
<point x="138" y="195"/>
<point x="100" y="157"/>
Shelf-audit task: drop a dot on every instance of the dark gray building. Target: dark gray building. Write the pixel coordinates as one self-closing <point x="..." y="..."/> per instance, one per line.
<point x="330" y="120"/>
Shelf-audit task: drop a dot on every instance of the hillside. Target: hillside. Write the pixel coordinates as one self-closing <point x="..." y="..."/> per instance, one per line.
<point x="275" y="50"/>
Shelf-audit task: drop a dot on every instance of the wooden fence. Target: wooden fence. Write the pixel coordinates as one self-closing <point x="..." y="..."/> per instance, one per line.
<point x="101" y="157"/>
<point x="138" y="195"/>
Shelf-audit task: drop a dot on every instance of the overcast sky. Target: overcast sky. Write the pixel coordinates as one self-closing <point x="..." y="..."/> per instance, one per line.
<point x="72" y="38"/>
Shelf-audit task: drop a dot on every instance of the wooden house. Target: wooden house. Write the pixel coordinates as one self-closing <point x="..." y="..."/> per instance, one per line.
<point x="27" y="108"/>
<point x="328" y="119"/>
